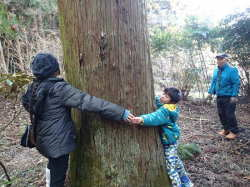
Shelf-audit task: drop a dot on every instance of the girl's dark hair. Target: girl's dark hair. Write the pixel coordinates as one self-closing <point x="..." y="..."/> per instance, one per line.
<point x="174" y="94"/>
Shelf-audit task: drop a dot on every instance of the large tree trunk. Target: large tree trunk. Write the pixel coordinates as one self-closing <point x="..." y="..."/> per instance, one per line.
<point x="106" y="54"/>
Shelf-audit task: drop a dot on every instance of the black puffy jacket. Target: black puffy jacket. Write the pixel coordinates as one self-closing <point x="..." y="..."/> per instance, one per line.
<point x="55" y="131"/>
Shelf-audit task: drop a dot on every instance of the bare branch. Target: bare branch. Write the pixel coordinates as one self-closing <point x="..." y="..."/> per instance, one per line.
<point x="6" y="173"/>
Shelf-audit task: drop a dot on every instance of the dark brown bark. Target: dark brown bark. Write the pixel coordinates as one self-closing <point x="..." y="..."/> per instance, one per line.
<point x="106" y="54"/>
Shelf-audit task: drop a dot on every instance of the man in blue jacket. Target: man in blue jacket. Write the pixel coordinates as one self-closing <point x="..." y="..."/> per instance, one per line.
<point x="225" y="85"/>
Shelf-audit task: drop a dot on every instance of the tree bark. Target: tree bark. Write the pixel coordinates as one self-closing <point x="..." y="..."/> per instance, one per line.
<point x="3" y="67"/>
<point x="106" y="54"/>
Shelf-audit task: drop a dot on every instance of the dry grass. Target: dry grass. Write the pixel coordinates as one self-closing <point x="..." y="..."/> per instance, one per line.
<point x="19" y="53"/>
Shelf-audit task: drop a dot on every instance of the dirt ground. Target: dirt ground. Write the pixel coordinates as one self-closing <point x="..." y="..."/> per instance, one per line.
<point x="222" y="163"/>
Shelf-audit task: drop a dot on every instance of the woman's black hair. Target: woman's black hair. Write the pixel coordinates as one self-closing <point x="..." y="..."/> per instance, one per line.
<point x="32" y="100"/>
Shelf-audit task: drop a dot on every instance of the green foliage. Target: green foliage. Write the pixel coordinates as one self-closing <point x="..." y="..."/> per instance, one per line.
<point x="162" y="40"/>
<point x="28" y="11"/>
<point x="26" y="3"/>
<point x="13" y="84"/>
<point x="24" y="7"/>
<point x="8" y="23"/>
<point x="198" y="32"/>
<point x="5" y="182"/>
<point x="236" y="42"/>
<point x="193" y="35"/>
<point x="215" y="39"/>
<point x="236" y="33"/>
<point x="188" y="151"/>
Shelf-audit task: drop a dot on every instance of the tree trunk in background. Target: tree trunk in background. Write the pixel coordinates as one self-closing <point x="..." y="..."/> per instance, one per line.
<point x="3" y="67"/>
<point x="106" y="54"/>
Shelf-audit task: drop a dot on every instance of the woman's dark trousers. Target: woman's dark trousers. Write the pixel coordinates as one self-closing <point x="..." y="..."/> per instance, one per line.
<point x="58" y="169"/>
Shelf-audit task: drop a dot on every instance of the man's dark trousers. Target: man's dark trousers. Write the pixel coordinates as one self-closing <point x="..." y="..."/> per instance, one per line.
<point x="226" y="111"/>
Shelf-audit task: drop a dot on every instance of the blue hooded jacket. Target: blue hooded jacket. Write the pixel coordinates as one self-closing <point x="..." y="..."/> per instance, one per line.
<point x="228" y="84"/>
<point x="165" y="117"/>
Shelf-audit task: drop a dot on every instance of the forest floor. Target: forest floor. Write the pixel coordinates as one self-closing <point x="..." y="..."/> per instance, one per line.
<point x="222" y="163"/>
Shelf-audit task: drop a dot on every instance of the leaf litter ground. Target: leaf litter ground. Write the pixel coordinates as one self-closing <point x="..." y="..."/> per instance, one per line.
<point x="222" y="163"/>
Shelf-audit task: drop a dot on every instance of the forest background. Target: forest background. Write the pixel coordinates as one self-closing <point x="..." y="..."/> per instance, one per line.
<point x="182" y="53"/>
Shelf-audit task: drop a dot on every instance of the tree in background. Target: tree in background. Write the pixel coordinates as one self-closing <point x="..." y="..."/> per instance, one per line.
<point x="236" y="42"/>
<point x="106" y="53"/>
<point x="26" y="27"/>
<point x="184" y="51"/>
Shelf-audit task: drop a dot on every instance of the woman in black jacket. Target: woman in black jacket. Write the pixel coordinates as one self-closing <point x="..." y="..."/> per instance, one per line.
<point x="50" y="99"/>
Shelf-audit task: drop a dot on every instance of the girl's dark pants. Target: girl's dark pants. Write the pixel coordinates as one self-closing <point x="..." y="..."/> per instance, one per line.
<point x="58" y="169"/>
<point x="226" y="111"/>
